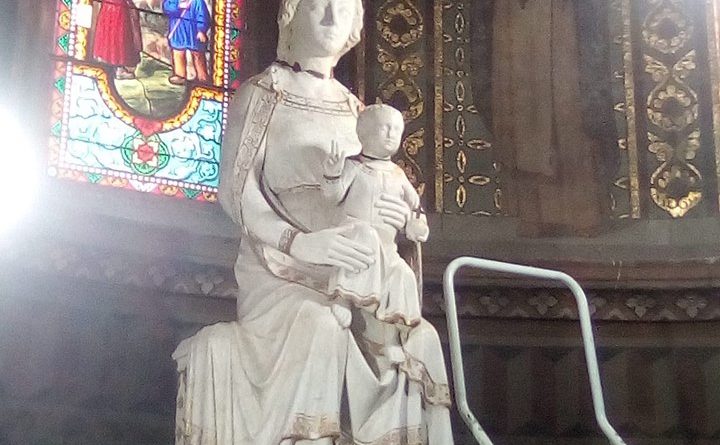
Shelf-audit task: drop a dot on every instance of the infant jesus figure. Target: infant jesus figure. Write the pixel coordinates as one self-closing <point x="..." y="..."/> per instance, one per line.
<point x="386" y="292"/>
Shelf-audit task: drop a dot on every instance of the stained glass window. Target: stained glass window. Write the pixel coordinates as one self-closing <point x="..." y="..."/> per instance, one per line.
<point x="140" y="92"/>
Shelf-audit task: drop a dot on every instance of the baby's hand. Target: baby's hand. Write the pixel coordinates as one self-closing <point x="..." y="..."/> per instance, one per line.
<point x="417" y="229"/>
<point x="202" y="37"/>
<point x="342" y="315"/>
<point x="334" y="162"/>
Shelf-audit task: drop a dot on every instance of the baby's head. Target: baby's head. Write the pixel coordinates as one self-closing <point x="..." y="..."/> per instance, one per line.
<point x="380" y="129"/>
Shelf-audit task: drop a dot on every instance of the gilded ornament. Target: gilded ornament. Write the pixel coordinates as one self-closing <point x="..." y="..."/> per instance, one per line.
<point x="457" y="122"/>
<point x="461" y="161"/>
<point x="667" y="29"/>
<point x="410" y="92"/>
<point x="414" y="142"/>
<point x="676" y="188"/>
<point x="412" y="64"/>
<point x="673" y="107"/>
<point x="400" y="25"/>
<point x="661" y="149"/>
<point x="459" y="23"/>
<point x="460" y="92"/>
<point x="629" y="107"/>
<point x="388" y="63"/>
<point x="400" y="35"/>
<point x="461" y="196"/>
<point x="659" y="72"/>
<point x="685" y="66"/>
<point x="622" y="183"/>
<point x="479" y="180"/>
<point x="412" y="146"/>
<point x="460" y="127"/>
<point x="478" y="144"/>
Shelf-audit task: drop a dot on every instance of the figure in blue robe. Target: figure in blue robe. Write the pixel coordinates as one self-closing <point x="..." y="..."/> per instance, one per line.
<point x="189" y="23"/>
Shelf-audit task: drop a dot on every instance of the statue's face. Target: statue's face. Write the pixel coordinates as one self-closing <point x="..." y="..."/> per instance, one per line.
<point x="321" y="28"/>
<point x="382" y="134"/>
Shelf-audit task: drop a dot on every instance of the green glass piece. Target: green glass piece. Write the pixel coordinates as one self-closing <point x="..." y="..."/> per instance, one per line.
<point x="191" y="194"/>
<point x="68" y="3"/>
<point x="234" y="34"/>
<point x="60" y="84"/>
<point x="56" y="129"/>
<point x="94" y="177"/>
<point x="233" y="75"/>
<point x="64" y="42"/>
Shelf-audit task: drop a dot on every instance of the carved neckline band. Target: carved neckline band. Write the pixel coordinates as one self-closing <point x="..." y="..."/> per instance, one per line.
<point x="372" y="158"/>
<point x="297" y="69"/>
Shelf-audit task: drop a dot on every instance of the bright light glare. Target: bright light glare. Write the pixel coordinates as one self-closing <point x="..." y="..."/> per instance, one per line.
<point x="18" y="171"/>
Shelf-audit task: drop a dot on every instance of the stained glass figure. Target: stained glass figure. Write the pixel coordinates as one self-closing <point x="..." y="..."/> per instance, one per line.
<point x="141" y="90"/>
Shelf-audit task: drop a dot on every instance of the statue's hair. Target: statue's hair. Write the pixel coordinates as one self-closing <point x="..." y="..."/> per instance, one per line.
<point x="285" y="37"/>
<point x="371" y="111"/>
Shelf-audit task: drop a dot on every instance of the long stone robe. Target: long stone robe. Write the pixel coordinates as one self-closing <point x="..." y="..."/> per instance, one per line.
<point x="286" y="370"/>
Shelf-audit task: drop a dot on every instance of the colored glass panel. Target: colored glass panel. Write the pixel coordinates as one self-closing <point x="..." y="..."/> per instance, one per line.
<point x="140" y="92"/>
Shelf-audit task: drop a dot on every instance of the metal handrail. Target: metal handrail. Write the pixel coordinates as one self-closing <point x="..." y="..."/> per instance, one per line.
<point x="456" y="354"/>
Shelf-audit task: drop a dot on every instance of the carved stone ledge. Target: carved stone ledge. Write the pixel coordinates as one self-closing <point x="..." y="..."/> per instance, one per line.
<point x="217" y="281"/>
<point x="127" y="269"/>
<point x="559" y="304"/>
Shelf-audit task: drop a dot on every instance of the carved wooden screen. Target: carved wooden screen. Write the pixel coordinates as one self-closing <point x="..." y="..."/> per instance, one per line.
<point x="140" y="92"/>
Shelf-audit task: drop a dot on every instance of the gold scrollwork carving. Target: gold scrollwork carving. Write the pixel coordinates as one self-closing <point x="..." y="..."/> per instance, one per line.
<point x="667" y="29"/>
<point x="410" y="91"/>
<point x="387" y="61"/>
<point x="625" y="190"/>
<point x="467" y="177"/>
<point x="401" y="28"/>
<point x="672" y="105"/>
<point x="675" y="188"/>
<point x="413" y="145"/>
<point x="672" y="109"/>
<point x="713" y="33"/>
<point x="400" y="23"/>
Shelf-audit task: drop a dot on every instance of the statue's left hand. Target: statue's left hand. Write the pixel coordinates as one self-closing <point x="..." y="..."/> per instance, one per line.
<point x="417" y="229"/>
<point x="332" y="247"/>
<point x="393" y="210"/>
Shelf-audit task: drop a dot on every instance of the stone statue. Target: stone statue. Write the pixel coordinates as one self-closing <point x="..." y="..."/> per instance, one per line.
<point x="297" y="367"/>
<point x="387" y="290"/>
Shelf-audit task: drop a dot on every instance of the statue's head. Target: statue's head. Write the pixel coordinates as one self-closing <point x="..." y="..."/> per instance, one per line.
<point x="318" y="28"/>
<point x="380" y="129"/>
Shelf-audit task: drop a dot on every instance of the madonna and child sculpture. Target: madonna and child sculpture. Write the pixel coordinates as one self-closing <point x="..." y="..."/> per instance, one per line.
<point x="330" y="346"/>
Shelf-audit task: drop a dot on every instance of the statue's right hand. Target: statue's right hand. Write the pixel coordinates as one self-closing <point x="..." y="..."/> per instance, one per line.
<point x="332" y="248"/>
<point x="334" y="162"/>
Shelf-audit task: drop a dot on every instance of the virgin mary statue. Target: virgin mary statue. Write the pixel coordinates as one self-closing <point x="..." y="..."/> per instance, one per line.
<point x="296" y="368"/>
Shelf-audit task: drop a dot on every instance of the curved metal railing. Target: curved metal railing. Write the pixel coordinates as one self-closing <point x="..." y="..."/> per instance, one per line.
<point x="456" y="353"/>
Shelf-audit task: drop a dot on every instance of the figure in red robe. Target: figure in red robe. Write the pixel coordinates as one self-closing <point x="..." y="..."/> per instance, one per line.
<point x="117" y="37"/>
